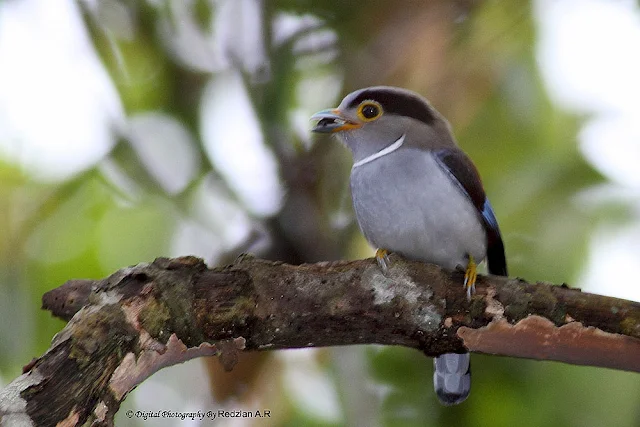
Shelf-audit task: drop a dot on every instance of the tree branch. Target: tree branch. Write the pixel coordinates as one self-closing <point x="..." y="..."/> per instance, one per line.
<point x="140" y="319"/>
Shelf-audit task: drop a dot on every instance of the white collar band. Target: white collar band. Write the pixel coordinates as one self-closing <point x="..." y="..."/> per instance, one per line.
<point x="389" y="149"/>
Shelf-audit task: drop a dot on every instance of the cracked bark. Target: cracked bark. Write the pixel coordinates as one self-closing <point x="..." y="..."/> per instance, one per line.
<point x="124" y="328"/>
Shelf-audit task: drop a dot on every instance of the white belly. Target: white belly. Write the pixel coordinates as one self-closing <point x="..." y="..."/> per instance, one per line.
<point x="406" y="203"/>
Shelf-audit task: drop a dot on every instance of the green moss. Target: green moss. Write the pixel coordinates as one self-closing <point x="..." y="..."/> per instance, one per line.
<point x="630" y="326"/>
<point x="154" y="318"/>
<point x="516" y="303"/>
<point x="545" y="302"/>
<point x="477" y="309"/>
<point x="237" y="311"/>
<point x="100" y="331"/>
<point x="516" y="312"/>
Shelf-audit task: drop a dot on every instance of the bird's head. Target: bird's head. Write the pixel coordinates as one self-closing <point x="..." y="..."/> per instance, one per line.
<point x="370" y="119"/>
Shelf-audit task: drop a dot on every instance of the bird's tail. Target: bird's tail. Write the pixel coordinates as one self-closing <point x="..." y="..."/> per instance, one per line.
<point x="452" y="377"/>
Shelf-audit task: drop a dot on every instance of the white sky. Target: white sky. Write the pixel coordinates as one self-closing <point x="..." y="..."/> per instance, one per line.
<point x="50" y="76"/>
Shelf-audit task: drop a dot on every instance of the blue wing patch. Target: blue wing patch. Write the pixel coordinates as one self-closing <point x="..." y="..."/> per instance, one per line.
<point x="464" y="173"/>
<point x="488" y="215"/>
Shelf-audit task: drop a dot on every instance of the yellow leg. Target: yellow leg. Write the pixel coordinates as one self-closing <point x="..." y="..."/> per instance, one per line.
<point x="382" y="256"/>
<point x="470" y="276"/>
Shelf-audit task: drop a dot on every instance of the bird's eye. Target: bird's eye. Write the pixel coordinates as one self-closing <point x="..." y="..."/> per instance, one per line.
<point x="369" y="111"/>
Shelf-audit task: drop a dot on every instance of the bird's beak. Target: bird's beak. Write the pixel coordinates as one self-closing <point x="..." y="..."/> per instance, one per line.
<point x="332" y="120"/>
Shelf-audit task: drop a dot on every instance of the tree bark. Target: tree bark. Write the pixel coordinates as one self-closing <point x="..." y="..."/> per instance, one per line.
<point x="140" y="319"/>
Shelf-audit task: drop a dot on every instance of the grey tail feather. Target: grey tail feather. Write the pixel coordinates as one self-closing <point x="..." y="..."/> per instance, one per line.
<point x="452" y="377"/>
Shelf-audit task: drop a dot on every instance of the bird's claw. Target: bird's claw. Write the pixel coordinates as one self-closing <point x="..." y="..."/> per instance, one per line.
<point x="470" y="277"/>
<point x="382" y="256"/>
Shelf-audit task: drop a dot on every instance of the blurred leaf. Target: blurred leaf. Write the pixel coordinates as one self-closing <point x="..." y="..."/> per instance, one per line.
<point x="234" y="143"/>
<point x="138" y="67"/>
<point x="166" y="148"/>
<point x="128" y="235"/>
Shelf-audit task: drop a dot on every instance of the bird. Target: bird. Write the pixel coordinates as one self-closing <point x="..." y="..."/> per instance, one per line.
<point x="417" y="194"/>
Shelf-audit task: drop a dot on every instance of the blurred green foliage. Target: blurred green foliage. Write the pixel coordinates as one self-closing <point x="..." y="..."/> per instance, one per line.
<point x="474" y="60"/>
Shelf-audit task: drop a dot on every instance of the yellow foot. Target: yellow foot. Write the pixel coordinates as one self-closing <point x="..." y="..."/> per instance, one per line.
<point x="470" y="276"/>
<point x="382" y="256"/>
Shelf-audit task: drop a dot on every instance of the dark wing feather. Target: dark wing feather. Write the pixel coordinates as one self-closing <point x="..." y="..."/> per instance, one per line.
<point x="495" y="248"/>
<point x="465" y="174"/>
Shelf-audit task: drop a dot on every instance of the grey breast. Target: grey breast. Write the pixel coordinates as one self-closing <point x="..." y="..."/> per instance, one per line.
<point x="404" y="202"/>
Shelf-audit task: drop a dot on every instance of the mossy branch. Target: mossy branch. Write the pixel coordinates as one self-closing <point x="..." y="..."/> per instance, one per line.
<point x="140" y="319"/>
